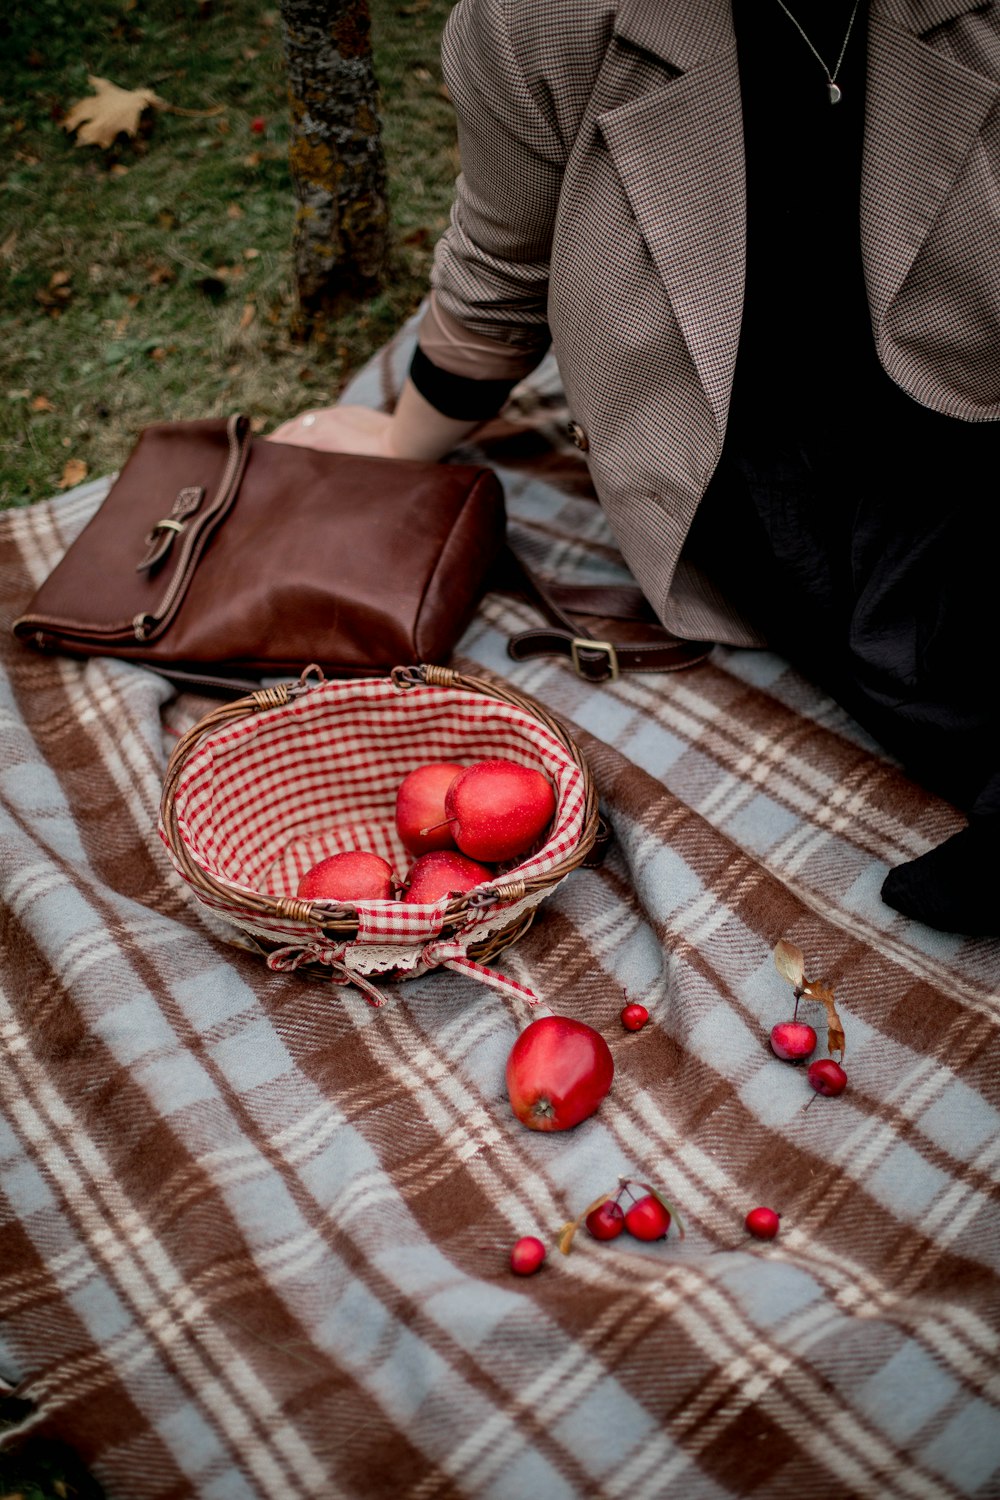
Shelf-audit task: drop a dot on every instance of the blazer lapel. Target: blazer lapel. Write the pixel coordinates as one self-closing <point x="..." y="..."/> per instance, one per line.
<point x="923" y="111"/>
<point x="679" y="153"/>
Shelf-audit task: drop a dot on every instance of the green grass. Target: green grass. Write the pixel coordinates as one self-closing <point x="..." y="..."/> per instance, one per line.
<point x="154" y="280"/>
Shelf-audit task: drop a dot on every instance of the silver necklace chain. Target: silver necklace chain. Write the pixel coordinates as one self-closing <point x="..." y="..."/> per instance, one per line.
<point x="831" y="78"/>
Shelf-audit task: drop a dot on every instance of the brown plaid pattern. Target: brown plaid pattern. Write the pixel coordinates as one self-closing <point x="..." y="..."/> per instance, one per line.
<point x="602" y="192"/>
<point x="255" y="1232"/>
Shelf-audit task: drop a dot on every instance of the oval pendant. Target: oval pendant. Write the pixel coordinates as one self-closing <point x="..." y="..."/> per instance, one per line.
<point x="833" y="91"/>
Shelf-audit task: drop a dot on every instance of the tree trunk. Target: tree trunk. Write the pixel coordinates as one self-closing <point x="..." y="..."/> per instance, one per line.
<point x="336" y="159"/>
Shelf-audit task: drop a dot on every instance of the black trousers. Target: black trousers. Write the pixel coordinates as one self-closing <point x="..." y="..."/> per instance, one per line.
<point x="875" y="571"/>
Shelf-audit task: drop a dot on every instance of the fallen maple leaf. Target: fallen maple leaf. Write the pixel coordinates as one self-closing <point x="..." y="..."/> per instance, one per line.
<point x="109" y="112"/>
<point x="73" y="473"/>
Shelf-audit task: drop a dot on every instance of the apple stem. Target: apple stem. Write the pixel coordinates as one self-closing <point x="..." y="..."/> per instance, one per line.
<point x="434" y="826"/>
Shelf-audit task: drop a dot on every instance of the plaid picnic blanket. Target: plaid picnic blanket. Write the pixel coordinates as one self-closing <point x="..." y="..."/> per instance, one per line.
<point x="255" y="1232"/>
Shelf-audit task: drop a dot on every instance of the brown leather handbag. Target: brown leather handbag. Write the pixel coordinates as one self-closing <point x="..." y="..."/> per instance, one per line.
<point x="217" y="557"/>
<point x="218" y="560"/>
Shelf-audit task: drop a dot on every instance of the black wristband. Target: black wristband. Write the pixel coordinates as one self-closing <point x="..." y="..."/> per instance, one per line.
<point x="458" y="396"/>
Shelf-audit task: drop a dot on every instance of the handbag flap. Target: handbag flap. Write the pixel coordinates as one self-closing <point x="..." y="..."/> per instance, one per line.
<point x="127" y="573"/>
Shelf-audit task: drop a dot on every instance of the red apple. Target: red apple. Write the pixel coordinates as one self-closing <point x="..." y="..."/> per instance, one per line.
<point x="420" y="816"/>
<point x="558" y="1072"/>
<point x="443" y="873"/>
<point x="793" y="1041"/>
<point x="648" y="1218"/>
<point x="356" y="875"/>
<point x="498" y="809"/>
<point x="527" y="1255"/>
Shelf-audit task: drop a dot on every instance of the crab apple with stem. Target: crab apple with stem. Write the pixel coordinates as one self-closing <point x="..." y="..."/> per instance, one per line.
<point x="419" y="811"/>
<point x="527" y="1255"/>
<point x="763" y="1223"/>
<point x="634" y="1016"/>
<point x="606" y="1221"/>
<point x="498" y="809"/>
<point x="648" y="1219"/>
<point x="793" y="1041"/>
<point x="827" y="1077"/>
<point x="650" y="1215"/>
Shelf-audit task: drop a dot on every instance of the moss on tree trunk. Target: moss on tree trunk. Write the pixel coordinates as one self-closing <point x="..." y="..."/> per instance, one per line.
<point x="336" y="158"/>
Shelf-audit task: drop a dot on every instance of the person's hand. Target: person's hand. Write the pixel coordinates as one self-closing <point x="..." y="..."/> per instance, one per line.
<point x="340" y="429"/>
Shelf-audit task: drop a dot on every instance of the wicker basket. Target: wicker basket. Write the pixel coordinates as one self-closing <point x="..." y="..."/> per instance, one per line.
<point x="262" y="788"/>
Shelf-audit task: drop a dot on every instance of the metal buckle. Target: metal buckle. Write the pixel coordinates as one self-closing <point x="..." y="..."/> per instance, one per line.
<point x="584" y="643"/>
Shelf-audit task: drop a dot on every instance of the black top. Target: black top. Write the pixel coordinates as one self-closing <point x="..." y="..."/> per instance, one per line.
<point x="805" y="319"/>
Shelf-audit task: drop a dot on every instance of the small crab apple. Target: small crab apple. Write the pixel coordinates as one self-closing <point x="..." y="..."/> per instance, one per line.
<point x="827" y="1077"/>
<point x="527" y="1255"/>
<point x="793" y="1041"/>
<point x="763" y="1223"/>
<point x="498" y="809"/>
<point x="443" y="872"/>
<point x="606" y="1221"/>
<point x="634" y="1016"/>
<point x="419" y="810"/>
<point x="648" y="1219"/>
<point x="354" y="875"/>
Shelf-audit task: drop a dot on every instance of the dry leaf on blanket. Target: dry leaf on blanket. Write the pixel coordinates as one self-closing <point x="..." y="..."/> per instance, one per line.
<point x="567" y="1232"/>
<point x="790" y="963"/>
<point x="109" y="112"/>
<point x="834" y="1026"/>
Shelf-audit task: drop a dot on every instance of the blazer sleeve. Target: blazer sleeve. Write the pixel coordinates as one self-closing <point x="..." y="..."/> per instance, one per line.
<point x="491" y="266"/>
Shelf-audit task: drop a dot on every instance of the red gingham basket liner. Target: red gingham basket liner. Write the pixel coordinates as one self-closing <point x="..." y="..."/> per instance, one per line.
<point x="262" y="798"/>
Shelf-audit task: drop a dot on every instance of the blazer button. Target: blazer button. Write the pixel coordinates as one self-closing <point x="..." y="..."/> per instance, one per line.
<point x="578" y="437"/>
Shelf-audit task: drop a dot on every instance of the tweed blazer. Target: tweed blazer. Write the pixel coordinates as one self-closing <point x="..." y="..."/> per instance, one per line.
<point x="602" y="200"/>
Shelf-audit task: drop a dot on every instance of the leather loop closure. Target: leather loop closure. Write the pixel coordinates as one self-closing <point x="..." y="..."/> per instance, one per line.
<point x="594" y="658"/>
<point x="590" y="658"/>
<point x="161" y="538"/>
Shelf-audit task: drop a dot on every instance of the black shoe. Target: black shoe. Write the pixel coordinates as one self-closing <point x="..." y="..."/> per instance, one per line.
<point x="955" y="887"/>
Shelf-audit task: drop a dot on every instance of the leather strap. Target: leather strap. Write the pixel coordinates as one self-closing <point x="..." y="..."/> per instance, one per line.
<point x="594" y="658"/>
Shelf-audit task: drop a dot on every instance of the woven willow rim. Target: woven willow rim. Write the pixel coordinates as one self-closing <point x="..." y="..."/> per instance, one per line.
<point x="341" y="924"/>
